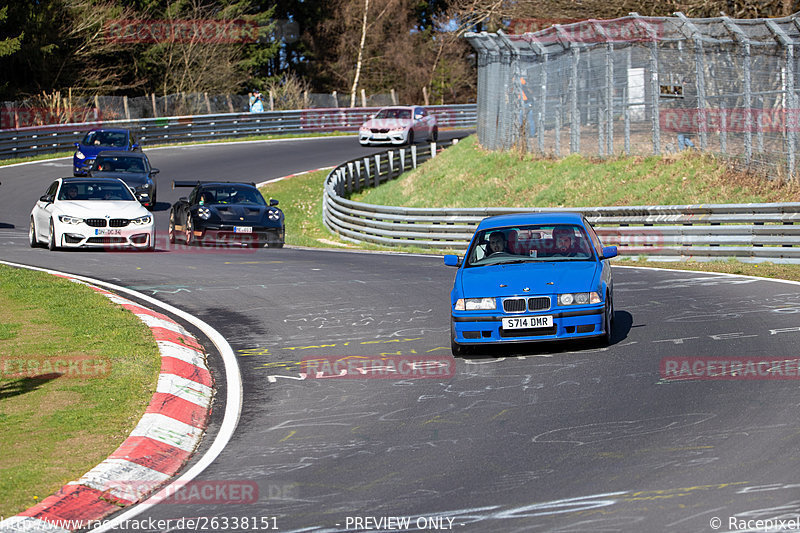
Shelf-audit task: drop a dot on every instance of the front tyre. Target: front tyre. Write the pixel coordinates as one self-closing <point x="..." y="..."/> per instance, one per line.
<point x="457" y="349"/>
<point x="32" y="238"/>
<point x="189" y="233"/>
<point x="171" y="228"/>
<point x="410" y="138"/>
<point x="608" y="321"/>
<point x="434" y="134"/>
<point x="52" y="244"/>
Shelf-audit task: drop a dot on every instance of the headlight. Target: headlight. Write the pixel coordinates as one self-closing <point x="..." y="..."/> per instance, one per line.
<point x="204" y="213"/>
<point x="69" y="220"/>
<point x="476" y="304"/>
<point x="398" y="128"/>
<point x="141" y="221"/>
<point x="273" y="214"/>
<point x="579" y="298"/>
<point x="80" y="155"/>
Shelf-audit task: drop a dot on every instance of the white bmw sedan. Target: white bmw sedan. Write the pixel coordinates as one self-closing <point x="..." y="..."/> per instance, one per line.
<point x="91" y="212"/>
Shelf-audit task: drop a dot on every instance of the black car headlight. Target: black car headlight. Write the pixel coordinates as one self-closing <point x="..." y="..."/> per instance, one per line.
<point x="274" y="214"/>
<point x="204" y="213"/>
<point x="579" y="298"/>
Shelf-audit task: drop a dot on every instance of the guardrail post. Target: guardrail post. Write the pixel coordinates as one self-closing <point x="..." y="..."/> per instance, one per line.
<point x="402" y="160"/>
<point x="349" y="175"/>
<point x="413" y="156"/>
<point x="433" y="150"/>
<point x="377" y="170"/>
<point x="366" y="172"/>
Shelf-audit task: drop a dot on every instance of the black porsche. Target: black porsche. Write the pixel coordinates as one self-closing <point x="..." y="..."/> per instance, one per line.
<point x="226" y="212"/>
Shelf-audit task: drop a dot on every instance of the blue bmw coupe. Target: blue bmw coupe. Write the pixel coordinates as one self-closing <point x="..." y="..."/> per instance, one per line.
<point x="531" y="277"/>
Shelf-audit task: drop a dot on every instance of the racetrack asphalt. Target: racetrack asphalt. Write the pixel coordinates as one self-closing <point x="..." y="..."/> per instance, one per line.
<point x="550" y="438"/>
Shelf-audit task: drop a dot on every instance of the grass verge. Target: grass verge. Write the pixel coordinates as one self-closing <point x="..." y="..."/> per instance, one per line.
<point x="466" y="175"/>
<point x="76" y="374"/>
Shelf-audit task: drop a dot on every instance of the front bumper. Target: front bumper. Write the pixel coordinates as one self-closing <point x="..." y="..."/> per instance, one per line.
<point x="80" y="167"/>
<point x="260" y="236"/>
<point x="392" y="137"/>
<point x="471" y="328"/>
<point x="82" y="236"/>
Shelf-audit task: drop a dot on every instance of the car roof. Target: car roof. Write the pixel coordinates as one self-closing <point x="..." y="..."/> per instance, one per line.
<point x="518" y="219"/>
<point x="112" y="130"/>
<point x="218" y="183"/>
<point x="84" y="179"/>
<point x="123" y="153"/>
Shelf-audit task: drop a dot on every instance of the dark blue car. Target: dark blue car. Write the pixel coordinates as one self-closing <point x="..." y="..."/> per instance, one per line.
<point x="97" y="141"/>
<point x="531" y="277"/>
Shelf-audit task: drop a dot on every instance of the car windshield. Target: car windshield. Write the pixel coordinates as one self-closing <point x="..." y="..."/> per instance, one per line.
<point x="116" y="139"/>
<point x="231" y="194"/>
<point x="93" y="190"/>
<point x="394" y="113"/>
<point x="522" y="244"/>
<point x="119" y="164"/>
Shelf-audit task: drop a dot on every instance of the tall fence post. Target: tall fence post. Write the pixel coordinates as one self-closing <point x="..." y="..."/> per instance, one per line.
<point x="575" y="117"/>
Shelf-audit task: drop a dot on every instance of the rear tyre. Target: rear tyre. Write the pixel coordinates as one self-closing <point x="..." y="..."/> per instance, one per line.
<point x="171" y="228"/>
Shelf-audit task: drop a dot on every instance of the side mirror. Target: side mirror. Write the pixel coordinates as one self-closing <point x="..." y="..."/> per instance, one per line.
<point x="609" y="252"/>
<point x="135" y="147"/>
<point x="418" y="117"/>
<point x="77" y="145"/>
<point x="46" y="199"/>
<point x="154" y="171"/>
<point x="452" y="260"/>
<point x="183" y="199"/>
<point x="273" y="202"/>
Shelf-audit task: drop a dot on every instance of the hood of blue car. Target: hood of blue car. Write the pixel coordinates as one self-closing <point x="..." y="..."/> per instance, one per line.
<point x="538" y="278"/>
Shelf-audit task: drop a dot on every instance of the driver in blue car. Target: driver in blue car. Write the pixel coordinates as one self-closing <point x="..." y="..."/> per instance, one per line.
<point x="497" y="243"/>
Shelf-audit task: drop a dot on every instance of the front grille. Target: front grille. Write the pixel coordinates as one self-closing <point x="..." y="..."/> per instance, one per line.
<point x="520" y="305"/>
<point x="514" y="305"/>
<point x="96" y="222"/>
<point x="531" y="332"/>
<point x="118" y="222"/>
<point x="107" y="240"/>
<point x="539" y="303"/>
<point x="379" y="130"/>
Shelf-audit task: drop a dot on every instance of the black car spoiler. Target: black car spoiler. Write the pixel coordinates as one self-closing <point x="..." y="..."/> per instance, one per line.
<point x="199" y="182"/>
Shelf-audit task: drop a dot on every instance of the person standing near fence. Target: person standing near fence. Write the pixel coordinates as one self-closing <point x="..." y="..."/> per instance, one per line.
<point x="527" y="115"/>
<point x="256" y="104"/>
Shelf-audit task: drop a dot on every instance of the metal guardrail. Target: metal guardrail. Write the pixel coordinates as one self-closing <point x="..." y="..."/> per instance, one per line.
<point x="748" y="232"/>
<point x="37" y="140"/>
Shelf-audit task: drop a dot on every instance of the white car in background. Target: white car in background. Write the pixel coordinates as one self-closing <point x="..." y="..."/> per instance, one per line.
<point x="91" y="213"/>
<point x="399" y="125"/>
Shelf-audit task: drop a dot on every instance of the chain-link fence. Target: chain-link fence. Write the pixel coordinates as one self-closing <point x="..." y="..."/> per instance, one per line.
<point x="645" y="85"/>
<point x="65" y="110"/>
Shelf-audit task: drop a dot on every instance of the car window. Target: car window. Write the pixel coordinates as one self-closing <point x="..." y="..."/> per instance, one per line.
<point x="118" y="164"/>
<point x="232" y="194"/>
<point x="51" y="190"/>
<point x="554" y="242"/>
<point x="598" y="246"/>
<point x="93" y="190"/>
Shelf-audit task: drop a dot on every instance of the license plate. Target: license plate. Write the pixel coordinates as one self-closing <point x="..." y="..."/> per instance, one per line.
<point x="108" y="232"/>
<point x="528" y="322"/>
<point x="242" y="229"/>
